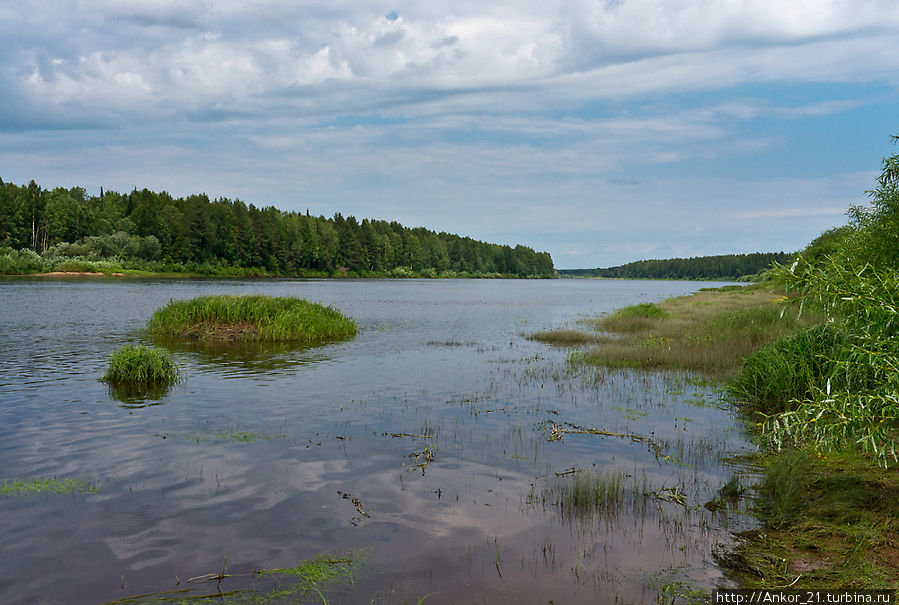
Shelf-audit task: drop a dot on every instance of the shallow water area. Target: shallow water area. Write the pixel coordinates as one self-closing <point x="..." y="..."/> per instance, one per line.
<point x="431" y="448"/>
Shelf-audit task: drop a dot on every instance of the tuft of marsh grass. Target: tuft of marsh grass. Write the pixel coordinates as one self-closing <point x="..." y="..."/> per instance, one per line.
<point x="564" y="337"/>
<point x="257" y="318"/>
<point x="603" y="493"/>
<point x="729" y="493"/>
<point x="783" y="491"/>
<point x="141" y="367"/>
<point x="675" y="590"/>
<point x="46" y="486"/>
<point x="645" y="310"/>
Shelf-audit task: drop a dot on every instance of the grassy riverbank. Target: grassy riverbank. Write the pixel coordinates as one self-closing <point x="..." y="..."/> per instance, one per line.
<point x="822" y="395"/>
<point x="830" y="518"/>
<point x="255" y="318"/>
<point x="710" y="331"/>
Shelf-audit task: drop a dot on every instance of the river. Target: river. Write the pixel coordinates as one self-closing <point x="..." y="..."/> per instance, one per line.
<point x="422" y="450"/>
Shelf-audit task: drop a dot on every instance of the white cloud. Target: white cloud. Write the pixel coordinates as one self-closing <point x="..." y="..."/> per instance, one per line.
<point x="543" y="119"/>
<point x="194" y="53"/>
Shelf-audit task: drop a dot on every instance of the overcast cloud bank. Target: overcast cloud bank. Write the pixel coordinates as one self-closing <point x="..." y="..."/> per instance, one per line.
<point x="602" y="132"/>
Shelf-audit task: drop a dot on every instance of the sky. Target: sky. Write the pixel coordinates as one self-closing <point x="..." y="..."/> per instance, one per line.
<point x="600" y="131"/>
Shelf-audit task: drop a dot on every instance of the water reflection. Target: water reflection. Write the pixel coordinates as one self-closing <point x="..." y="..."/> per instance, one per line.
<point x="134" y="397"/>
<point x="236" y="359"/>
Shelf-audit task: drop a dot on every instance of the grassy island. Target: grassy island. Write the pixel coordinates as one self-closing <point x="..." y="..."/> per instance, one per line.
<point x="255" y="318"/>
<point x="139" y="367"/>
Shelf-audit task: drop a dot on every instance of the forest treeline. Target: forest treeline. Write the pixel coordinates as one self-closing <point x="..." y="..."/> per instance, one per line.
<point x="68" y="230"/>
<point x="724" y="267"/>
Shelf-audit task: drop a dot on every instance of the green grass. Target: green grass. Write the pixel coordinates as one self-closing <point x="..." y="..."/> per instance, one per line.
<point x="564" y="337"/>
<point x="303" y="583"/>
<point x="254" y="318"/>
<point x="831" y="521"/>
<point x="642" y="310"/>
<point x="603" y="493"/>
<point x="141" y="367"/>
<point x="632" y="319"/>
<point x="235" y="436"/>
<point x="710" y="331"/>
<point x="46" y="486"/>
<point x="778" y="375"/>
<point x="783" y="489"/>
<point x="316" y="571"/>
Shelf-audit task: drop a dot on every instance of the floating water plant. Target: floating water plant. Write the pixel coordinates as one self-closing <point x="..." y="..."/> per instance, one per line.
<point x="304" y="583"/>
<point x="140" y="367"/>
<point x="254" y="318"/>
<point x="316" y="571"/>
<point x="235" y="436"/>
<point x="46" y="486"/>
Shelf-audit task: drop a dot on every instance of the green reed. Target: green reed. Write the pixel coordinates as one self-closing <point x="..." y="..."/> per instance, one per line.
<point x="604" y="493"/>
<point x="140" y="366"/>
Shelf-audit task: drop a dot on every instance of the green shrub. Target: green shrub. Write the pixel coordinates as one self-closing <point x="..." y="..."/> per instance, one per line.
<point x="862" y="410"/>
<point x="7" y="265"/>
<point x="19" y="263"/>
<point x="76" y="265"/>
<point x="141" y="367"/>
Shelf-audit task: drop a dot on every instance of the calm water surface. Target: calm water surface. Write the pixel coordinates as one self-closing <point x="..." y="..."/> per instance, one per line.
<point x="437" y="419"/>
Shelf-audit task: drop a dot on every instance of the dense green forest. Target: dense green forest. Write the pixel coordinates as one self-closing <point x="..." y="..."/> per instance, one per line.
<point x="724" y="267"/>
<point x="68" y="230"/>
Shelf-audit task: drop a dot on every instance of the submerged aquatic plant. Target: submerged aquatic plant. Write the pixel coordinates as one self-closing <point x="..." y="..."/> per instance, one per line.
<point x="255" y="318"/>
<point x="141" y="367"/>
<point x="235" y="436"/>
<point x="46" y="486"/>
<point x="316" y="571"/>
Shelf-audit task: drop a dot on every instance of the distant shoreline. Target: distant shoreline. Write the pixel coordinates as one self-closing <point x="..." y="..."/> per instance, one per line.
<point x="139" y="274"/>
